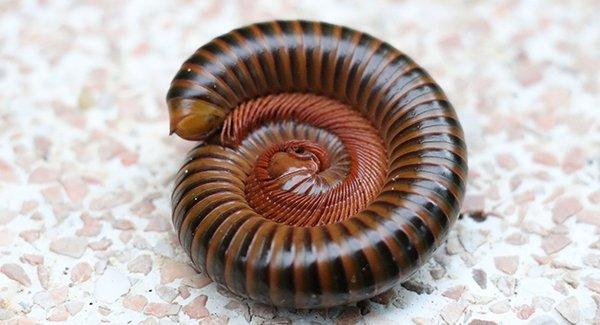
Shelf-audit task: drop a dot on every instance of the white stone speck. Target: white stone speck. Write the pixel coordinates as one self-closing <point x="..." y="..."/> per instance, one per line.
<point x="111" y="286"/>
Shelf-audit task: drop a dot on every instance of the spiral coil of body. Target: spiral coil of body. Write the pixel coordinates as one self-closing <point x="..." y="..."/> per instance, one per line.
<point x="332" y="164"/>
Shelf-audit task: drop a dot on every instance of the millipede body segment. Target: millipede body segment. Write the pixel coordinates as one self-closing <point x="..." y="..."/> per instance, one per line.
<point x="330" y="164"/>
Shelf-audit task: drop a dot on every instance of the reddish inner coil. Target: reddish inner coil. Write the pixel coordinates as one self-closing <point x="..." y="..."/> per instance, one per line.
<point x="316" y="160"/>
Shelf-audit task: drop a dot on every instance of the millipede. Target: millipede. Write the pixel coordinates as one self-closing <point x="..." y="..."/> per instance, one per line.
<point x="329" y="165"/>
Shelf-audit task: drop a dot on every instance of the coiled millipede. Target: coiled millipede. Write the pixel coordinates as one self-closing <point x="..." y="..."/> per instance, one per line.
<point x="330" y="164"/>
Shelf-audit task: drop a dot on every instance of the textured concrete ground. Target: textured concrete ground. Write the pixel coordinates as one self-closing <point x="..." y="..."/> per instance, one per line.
<point x="86" y="166"/>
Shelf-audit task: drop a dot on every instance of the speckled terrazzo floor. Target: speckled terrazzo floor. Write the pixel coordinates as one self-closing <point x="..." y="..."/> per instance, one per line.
<point x="86" y="165"/>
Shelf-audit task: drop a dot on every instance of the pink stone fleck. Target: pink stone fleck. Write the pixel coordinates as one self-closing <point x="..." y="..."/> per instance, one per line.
<point x="53" y="194"/>
<point x="507" y="264"/>
<point x="69" y="246"/>
<point x="135" y="302"/>
<point x="15" y="272"/>
<point x="506" y="161"/>
<point x="565" y="208"/>
<point x="574" y="160"/>
<point x="29" y="206"/>
<point x="43" y="175"/>
<point x="32" y="259"/>
<point x="161" y="310"/>
<point x="81" y="272"/>
<point x="123" y="224"/>
<point x="452" y="312"/>
<point x="555" y="243"/>
<point x="171" y="270"/>
<point x="197" y="308"/>
<point x="43" y="274"/>
<point x="76" y="189"/>
<point x="100" y="245"/>
<point x="7" y="173"/>
<point x="184" y="292"/>
<point x="590" y="217"/>
<point x="524" y="312"/>
<point x="455" y="292"/>
<point x="91" y="226"/>
<point x="59" y="314"/>
<point x="545" y="158"/>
